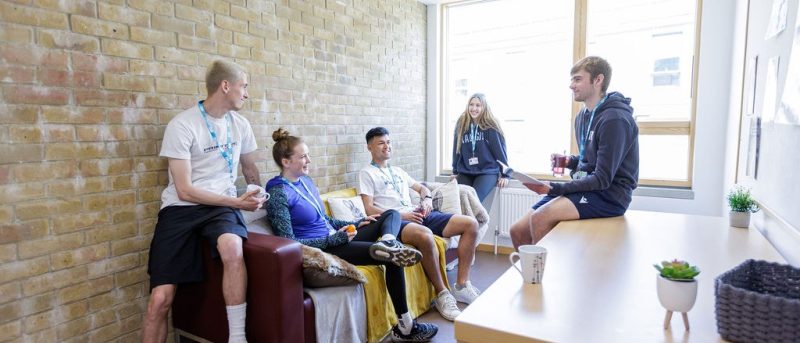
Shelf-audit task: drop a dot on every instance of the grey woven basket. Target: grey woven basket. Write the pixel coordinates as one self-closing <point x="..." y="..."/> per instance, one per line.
<point x="759" y="301"/>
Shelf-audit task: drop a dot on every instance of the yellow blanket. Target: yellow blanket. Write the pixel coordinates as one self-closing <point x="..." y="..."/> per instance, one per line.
<point x="419" y="294"/>
<point x="419" y="291"/>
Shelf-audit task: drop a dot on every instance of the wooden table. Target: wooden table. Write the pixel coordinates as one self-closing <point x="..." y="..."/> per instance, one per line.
<point x="599" y="284"/>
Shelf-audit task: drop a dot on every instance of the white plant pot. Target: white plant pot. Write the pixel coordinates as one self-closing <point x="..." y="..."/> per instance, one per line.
<point x="740" y="219"/>
<point x="677" y="296"/>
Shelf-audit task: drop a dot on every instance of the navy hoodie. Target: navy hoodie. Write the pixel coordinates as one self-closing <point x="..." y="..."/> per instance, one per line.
<point x="490" y="146"/>
<point x="611" y="158"/>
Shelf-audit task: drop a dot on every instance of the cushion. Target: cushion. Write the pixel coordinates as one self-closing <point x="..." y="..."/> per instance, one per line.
<point x="250" y="216"/>
<point x="342" y="193"/>
<point x="321" y="269"/>
<point x="347" y="209"/>
<point x="256" y="221"/>
<point x="446" y="198"/>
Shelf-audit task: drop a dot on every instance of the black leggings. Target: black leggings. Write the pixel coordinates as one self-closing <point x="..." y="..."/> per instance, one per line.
<point x="357" y="252"/>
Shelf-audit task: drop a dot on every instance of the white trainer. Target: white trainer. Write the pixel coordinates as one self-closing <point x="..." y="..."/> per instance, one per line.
<point x="466" y="295"/>
<point x="446" y="305"/>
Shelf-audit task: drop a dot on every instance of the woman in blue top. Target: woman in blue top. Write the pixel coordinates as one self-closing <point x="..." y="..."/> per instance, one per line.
<point x="478" y="144"/>
<point x="295" y="211"/>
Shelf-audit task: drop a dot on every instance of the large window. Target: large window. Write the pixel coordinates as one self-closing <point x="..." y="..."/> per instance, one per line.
<point x="519" y="53"/>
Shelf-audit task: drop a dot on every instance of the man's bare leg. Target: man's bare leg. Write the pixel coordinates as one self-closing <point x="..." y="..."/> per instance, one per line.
<point x="422" y="239"/>
<point x="234" y="284"/>
<point x="520" y="231"/>
<point x="534" y="225"/>
<point x="154" y="326"/>
<point x="467" y="227"/>
<point x="234" y="277"/>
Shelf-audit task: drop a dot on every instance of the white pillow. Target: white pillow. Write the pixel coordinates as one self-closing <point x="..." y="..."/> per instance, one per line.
<point x="347" y="209"/>
<point x="256" y="221"/>
<point x="446" y="198"/>
<point x="250" y="216"/>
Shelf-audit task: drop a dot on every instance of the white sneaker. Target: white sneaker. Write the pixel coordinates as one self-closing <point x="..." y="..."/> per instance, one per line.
<point x="466" y="295"/>
<point x="446" y="305"/>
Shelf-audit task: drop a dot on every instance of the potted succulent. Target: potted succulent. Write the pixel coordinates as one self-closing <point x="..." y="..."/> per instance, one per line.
<point x="741" y="204"/>
<point x="677" y="288"/>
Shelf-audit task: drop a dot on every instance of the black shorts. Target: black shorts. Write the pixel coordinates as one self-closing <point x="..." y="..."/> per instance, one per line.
<point x="175" y="255"/>
<point x="593" y="204"/>
<point x="436" y="221"/>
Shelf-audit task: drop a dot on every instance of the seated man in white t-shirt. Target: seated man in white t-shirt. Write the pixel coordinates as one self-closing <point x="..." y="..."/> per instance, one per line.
<point x="383" y="187"/>
<point x="204" y="146"/>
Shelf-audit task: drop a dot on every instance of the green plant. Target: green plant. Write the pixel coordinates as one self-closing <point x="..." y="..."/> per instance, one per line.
<point x="740" y="200"/>
<point x="677" y="270"/>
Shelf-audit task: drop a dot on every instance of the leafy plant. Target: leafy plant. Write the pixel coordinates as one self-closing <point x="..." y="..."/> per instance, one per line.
<point x="677" y="270"/>
<point x="740" y="200"/>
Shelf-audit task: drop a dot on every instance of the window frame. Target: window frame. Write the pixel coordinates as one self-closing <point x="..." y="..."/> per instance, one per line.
<point x="646" y="127"/>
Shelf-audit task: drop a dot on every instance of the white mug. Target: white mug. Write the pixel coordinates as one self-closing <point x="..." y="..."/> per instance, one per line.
<point x="532" y="259"/>
<point x="261" y="192"/>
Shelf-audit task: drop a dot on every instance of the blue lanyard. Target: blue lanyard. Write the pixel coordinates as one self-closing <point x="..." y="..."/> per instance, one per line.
<point x="392" y="180"/>
<point x="227" y="151"/>
<point x="314" y="203"/>
<point x="473" y="135"/>
<point x="585" y="133"/>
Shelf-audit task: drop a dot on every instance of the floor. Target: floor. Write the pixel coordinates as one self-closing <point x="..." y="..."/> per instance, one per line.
<point x="487" y="268"/>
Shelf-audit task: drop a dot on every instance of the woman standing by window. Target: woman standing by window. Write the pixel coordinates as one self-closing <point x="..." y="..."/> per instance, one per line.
<point x="478" y="144"/>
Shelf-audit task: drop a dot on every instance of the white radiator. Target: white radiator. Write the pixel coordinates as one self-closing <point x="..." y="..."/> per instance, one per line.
<point x="510" y="205"/>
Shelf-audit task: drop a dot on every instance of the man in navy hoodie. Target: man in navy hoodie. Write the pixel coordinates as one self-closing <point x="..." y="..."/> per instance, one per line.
<point x="606" y="170"/>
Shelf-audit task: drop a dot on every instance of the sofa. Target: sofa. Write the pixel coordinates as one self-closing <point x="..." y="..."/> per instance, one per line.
<point x="278" y="308"/>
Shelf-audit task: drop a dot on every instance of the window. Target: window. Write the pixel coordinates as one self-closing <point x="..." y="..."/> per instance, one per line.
<point x="519" y="53"/>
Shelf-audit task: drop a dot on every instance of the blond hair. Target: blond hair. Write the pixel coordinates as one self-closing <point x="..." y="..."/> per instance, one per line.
<point x="220" y="71"/>
<point x="485" y="120"/>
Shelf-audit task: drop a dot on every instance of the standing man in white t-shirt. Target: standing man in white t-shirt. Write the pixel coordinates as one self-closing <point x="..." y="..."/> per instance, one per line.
<point x="204" y="146"/>
<point x="384" y="187"/>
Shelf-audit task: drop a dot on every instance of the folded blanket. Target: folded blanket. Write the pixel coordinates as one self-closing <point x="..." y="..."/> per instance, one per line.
<point x="340" y="313"/>
<point x="470" y="206"/>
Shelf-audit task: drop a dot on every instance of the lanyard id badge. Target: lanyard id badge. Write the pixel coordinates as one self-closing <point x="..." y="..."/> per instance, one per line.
<point x="317" y="206"/>
<point x="473" y="137"/>
<point x="392" y="180"/>
<point x="587" y="135"/>
<point x="226" y="151"/>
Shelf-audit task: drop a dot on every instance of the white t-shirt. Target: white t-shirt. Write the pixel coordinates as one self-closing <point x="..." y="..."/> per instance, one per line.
<point x="187" y="138"/>
<point x="376" y="182"/>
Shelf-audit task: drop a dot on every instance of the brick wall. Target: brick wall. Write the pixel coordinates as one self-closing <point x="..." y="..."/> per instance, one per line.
<point x="86" y="88"/>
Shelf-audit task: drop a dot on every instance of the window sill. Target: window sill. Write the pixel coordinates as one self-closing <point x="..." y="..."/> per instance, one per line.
<point x="641" y="191"/>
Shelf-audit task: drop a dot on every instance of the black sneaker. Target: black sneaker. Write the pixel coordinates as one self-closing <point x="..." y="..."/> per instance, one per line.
<point x="395" y="252"/>
<point x="420" y="332"/>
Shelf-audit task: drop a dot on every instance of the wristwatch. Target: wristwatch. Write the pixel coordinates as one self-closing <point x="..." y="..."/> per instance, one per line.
<point x="427" y="197"/>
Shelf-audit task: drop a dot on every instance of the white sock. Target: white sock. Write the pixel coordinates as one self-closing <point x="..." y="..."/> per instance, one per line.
<point x="236" y="319"/>
<point x="405" y="323"/>
<point x="387" y="237"/>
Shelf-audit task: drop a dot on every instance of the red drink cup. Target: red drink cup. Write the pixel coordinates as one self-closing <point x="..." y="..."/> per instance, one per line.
<point x="559" y="164"/>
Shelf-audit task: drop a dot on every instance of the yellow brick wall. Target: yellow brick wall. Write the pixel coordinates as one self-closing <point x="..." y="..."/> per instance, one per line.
<point x="86" y="88"/>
